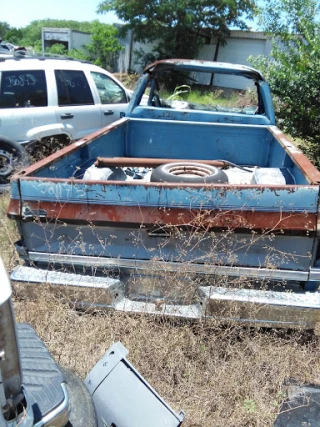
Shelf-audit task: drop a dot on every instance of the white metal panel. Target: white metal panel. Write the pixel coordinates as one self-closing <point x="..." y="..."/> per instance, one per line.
<point x="206" y="53"/>
<point x="238" y="51"/>
<point x="79" y="40"/>
<point x="55" y="33"/>
<point x="137" y="63"/>
<point x="239" y="47"/>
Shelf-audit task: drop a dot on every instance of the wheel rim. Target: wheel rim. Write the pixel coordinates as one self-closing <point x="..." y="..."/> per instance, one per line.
<point x="190" y="171"/>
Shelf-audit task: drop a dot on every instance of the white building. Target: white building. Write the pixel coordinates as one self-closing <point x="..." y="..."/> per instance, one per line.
<point x="71" y="39"/>
<point x="240" y="45"/>
<point x="238" y="48"/>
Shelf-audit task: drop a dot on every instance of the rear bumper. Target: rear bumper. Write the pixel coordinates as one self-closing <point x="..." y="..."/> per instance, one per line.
<point x="158" y="295"/>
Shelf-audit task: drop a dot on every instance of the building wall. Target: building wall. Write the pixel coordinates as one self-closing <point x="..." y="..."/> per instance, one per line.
<point x="238" y="49"/>
<point x="70" y="38"/>
<point x="129" y="58"/>
<point x="240" y="46"/>
<point x="79" y="39"/>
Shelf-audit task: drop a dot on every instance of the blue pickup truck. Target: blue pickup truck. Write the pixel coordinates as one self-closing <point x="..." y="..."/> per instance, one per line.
<point x="193" y="205"/>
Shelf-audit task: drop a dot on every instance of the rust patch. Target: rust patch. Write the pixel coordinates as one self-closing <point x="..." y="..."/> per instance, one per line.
<point x="14" y="208"/>
<point x="202" y="219"/>
<point x="149" y="162"/>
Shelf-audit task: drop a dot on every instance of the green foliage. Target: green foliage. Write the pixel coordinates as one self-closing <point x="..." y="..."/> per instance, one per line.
<point x="178" y="91"/>
<point x="32" y="32"/>
<point x="250" y="405"/>
<point x="105" y="44"/>
<point x="102" y="51"/>
<point x="4" y="28"/>
<point x="294" y="71"/>
<point x="77" y="54"/>
<point x="14" y="36"/>
<point x="58" y="49"/>
<point x="179" y="27"/>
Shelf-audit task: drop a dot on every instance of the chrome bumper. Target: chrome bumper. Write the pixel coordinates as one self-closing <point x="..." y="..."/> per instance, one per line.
<point x="262" y="307"/>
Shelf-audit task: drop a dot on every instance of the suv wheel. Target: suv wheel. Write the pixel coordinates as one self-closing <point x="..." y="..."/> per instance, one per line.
<point x="12" y="157"/>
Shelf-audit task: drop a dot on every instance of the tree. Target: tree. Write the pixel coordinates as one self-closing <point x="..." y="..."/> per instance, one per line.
<point x="105" y="44"/>
<point x="179" y="27"/>
<point x="4" y="27"/>
<point x="14" y="36"/>
<point x="102" y="50"/>
<point x="294" y="70"/>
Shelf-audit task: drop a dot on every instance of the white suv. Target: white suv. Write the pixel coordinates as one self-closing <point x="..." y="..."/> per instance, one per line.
<point x="48" y="100"/>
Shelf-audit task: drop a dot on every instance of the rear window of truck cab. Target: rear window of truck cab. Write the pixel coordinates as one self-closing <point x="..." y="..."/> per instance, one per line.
<point x="203" y="91"/>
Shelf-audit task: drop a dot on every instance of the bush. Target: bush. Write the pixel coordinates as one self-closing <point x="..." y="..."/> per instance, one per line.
<point x="294" y="71"/>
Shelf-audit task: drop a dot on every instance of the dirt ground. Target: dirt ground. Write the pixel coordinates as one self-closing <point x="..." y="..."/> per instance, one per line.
<point x="218" y="374"/>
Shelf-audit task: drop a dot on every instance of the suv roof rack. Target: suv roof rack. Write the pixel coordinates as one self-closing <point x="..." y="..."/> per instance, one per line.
<point x="22" y="54"/>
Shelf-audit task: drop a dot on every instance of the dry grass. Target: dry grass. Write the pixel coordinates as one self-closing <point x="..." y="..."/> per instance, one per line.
<point x="8" y="235"/>
<point x="220" y="375"/>
<point x="128" y="80"/>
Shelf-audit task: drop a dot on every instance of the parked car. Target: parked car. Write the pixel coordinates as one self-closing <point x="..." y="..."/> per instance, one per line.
<point x="50" y="100"/>
<point x="11" y="47"/>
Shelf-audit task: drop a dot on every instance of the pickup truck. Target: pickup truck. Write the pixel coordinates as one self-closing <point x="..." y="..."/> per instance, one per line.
<point x="194" y="205"/>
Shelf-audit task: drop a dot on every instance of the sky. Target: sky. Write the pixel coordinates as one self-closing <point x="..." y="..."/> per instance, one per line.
<point x="78" y="10"/>
<point x="19" y="16"/>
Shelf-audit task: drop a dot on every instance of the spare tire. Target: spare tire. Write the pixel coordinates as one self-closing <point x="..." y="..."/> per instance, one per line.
<point x="12" y="157"/>
<point x="185" y="172"/>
